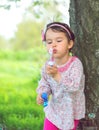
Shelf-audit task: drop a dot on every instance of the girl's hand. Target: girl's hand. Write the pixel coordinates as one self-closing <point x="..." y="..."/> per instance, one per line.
<point x="53" y="71"/>
<point x="39" y="100"/>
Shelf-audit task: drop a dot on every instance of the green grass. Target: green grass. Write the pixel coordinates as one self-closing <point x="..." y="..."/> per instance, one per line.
<point x="18" y="82"/>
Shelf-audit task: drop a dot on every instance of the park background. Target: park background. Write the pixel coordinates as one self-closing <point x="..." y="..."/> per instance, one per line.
<point x="22" y="55"/>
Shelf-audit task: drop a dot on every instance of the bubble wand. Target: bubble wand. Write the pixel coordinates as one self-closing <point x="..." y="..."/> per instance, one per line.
<point x="51" y="62"/>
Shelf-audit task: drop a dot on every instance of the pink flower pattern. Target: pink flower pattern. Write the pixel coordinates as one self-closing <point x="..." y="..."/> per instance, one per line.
<point x="67" y="101"/>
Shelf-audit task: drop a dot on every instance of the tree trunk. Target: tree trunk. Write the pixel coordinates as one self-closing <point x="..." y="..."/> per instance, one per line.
<point x="84" y="20"/>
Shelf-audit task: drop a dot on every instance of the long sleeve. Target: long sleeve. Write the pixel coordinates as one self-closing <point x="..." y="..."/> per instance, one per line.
<point x="43" y="85"/>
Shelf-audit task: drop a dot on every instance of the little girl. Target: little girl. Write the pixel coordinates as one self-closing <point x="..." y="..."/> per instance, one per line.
<point x="64" y="81"/>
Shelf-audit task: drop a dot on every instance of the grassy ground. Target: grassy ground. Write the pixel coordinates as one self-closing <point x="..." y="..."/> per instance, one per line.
<point x="18" y="82"/>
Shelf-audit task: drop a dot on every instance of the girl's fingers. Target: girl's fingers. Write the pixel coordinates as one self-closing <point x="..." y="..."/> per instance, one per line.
<point x="51" y="70"/>
<point x="39" y="100"/>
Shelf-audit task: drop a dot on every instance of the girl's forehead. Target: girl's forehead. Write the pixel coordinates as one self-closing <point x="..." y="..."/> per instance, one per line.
<point x="52" y="30"/>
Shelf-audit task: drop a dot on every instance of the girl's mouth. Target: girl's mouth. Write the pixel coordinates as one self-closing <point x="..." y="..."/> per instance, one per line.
<point x="54" y="51"/>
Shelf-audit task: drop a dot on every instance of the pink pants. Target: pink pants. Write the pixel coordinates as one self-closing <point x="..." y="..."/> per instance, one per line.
<point x="49" y="126"/>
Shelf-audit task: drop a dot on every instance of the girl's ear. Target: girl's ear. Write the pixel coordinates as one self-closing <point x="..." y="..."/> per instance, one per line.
<point x="71" y="43"/>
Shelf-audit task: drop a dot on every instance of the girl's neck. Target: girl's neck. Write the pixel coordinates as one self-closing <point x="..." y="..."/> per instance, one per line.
<point x="62" y="61"/>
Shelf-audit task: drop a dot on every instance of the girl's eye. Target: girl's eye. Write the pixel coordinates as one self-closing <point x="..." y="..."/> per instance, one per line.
<point x="59" y="40"/>
<point x="49" y="42"/>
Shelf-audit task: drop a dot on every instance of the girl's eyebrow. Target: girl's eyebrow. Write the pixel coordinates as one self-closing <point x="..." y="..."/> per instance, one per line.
<point x="59" y="38"/>
<point x="48" y="39"/>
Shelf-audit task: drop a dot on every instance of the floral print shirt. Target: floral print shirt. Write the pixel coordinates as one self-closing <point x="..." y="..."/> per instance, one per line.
<point x="67" y="101"/>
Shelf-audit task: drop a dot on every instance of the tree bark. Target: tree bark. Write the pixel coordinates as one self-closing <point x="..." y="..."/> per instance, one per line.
<point x="84" y="21"/>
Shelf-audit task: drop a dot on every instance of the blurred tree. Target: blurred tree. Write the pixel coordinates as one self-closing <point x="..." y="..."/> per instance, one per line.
<point x="27" y="35"/>
<point x="47" y="9"/>
<point x="7" y="3"/>
<point x="41" y="9"/>
<point x="29" y="30"/>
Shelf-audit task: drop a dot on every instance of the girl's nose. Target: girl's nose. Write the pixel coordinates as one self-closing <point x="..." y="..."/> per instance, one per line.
<point x="54" y="43"/>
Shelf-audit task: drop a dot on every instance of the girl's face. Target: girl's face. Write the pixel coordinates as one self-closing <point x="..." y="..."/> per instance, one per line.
<point x="59" y="43"/>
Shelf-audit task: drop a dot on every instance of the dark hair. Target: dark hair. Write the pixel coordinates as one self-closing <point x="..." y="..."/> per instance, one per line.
<point x="61" y="27"/>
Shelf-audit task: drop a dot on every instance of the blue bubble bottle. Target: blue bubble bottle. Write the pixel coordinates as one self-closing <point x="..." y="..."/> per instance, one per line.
<point x="45" y="97"/>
